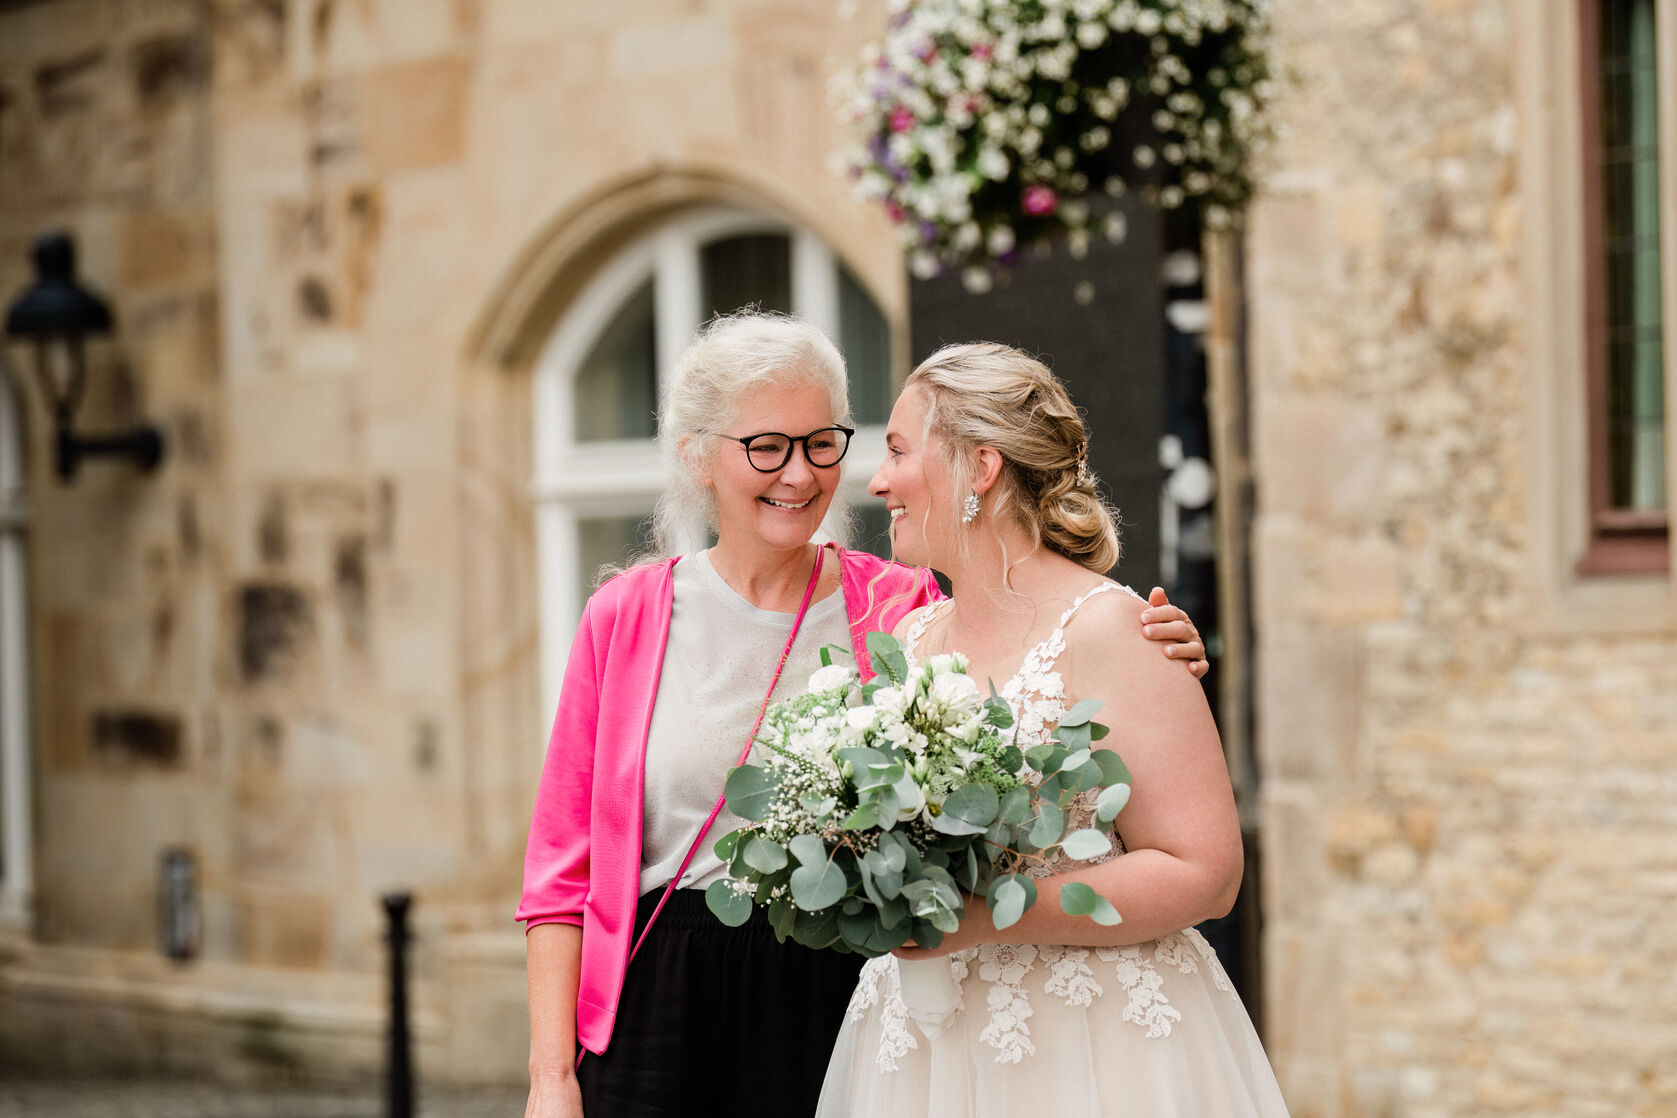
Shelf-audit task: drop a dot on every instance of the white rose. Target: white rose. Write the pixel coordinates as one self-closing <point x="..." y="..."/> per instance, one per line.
<point x="891" y="702"/>
<point x="830" y="678"/>
<point x="955" y="694"/>
<point x="862" y="718"/>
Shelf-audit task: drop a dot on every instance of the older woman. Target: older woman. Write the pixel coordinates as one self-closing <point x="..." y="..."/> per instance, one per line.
<point x="673" y="663"/>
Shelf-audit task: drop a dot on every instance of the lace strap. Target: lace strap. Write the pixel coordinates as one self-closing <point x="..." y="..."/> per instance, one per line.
<point x="1066" y="617"/>
<point x="917" y="627"/>
<point x="1042" y="657"/>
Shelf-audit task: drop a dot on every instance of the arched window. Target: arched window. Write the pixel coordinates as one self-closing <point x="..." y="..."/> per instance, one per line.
<point x="16" y="875"/>
<point x="598" y="381"/>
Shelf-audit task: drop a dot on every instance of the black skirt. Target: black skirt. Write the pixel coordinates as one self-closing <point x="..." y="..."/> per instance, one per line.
<point x="718" y="1021"/>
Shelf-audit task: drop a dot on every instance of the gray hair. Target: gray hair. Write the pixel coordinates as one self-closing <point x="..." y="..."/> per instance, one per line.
<point x="731" y="355"/>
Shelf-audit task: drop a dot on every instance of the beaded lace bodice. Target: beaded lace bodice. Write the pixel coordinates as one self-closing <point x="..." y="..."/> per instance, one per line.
<point x="1037" y="695"/>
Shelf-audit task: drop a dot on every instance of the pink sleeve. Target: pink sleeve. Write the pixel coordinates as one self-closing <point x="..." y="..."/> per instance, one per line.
<point x="556" y="858"/>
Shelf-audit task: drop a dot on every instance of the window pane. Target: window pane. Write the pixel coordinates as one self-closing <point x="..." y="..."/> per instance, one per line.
<point x="615" y="540"/>
<point x="617" y="384"/>
<point x="752" y="269"/>
<point x="866" y="341"/>
<point x="1630" y="200"/>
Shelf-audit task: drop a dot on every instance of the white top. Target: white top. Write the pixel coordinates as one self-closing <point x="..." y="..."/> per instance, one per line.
<point x="721" y="654"/>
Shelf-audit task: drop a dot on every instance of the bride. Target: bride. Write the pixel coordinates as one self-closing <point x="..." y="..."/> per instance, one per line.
<point x="987" y="480"/>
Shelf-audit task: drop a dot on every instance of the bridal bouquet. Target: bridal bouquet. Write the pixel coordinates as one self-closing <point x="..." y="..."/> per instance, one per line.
<point x="878" y="805"/>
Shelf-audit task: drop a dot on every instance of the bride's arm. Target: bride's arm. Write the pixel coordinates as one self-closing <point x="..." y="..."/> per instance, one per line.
<point x="1185" y="858"/>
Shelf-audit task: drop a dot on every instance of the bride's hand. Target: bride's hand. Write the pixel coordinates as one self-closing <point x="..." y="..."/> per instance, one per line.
<point x="1161" y="621"/>
<point x="975" y="928"/>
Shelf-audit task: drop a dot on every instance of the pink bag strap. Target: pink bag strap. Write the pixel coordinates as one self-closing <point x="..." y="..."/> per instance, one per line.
<point x="692" y="851"/>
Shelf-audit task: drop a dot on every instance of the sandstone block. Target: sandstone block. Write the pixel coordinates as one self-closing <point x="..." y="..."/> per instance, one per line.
<point x="414" y="113"/>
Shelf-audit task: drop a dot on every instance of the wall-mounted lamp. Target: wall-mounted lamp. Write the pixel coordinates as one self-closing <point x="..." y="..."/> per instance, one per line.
<point x="58" y="314"/>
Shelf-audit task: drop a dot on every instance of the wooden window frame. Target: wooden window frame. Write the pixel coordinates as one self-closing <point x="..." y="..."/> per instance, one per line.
<point x="1621" y="541"/>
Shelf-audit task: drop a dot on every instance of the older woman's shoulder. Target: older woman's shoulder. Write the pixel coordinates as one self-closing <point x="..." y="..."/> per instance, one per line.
<point x="630" y="586"/>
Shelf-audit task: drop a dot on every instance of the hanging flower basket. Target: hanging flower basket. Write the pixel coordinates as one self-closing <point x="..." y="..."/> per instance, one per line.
<point x="986" y="125"/>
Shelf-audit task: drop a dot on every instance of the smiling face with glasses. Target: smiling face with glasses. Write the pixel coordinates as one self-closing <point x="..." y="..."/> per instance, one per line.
<point x="768" y="494"/>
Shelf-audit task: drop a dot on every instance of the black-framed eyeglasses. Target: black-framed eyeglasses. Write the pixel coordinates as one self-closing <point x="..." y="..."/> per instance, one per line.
<point x="769" y="451"/>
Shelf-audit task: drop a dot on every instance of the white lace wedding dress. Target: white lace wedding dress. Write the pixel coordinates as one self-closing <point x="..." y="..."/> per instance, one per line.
<point x="1153" y="1030"/>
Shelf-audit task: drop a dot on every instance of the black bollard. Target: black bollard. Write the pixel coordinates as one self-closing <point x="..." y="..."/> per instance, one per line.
<point x="399" y="1080"/>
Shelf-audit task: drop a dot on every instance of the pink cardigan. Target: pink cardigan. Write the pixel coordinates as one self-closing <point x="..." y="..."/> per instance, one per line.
<point x="582" y="864"/>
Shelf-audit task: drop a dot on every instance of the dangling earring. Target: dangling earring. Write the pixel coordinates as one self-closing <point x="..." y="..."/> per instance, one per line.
<point x="969" y="507"/>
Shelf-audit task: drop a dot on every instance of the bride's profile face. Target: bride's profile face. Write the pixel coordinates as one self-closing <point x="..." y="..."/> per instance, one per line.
<point x="915" y="483"/>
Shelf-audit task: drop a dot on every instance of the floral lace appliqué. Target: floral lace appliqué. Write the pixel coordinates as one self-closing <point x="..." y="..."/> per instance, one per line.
<point x="876" y="983"/>
<point x="1004" y="966"/>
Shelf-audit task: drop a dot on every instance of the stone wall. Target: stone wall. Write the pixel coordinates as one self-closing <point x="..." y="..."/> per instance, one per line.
<point x="1468" y="800"/>
<point x="334" y="234"/>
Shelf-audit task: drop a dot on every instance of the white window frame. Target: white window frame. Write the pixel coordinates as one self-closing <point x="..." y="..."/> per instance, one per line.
<point x="576" y="480"/>
<point x="17" y="853"/>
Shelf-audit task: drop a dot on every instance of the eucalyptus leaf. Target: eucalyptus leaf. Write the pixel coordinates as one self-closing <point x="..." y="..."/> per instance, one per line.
<point x="1015" y="806"/>
<point x="809" y="850"/>
<point x="1111" y="801"/>
<point x="1086" y="844"/>
<point x="1081" y="711"/>
<point x="817" y="930"/>
<point x="943" y="886"/>
<point x="1037" y="755"/>
<point x="729" y="905"/>
<point x="853" y="905"/>
<point x="859" y="757"/>
<point x="816" y="804"/>
<point x="864" y="818"/>
<point x="974" y="803"/>
<point x="1078" y="899"/>
<point x="1083" y="777"/>
<point x="815" y="887"/>
<point x="968" y="875"/>
<point x="1113" y="769"/>
<point x="1048" y="826"/>
<point x="880" y="642"/>
<point x="886" y="805"/>
<point x="724" y="846"/>
<point x="785" y="918"/>
<point x="997" y="713"/>
<point x="1073" y="738"/>
<point x="947" y="824"/>
<point x="1098" y="730"/>
<point x="1010" y="760"/>
<point x="926" y="934"/>
<point x="749" y="791"/>
<point x="1007" y="902"/>
<point x="892" y="850"/>
<point x="763" y="855"/>
<point x="944" y="920"/>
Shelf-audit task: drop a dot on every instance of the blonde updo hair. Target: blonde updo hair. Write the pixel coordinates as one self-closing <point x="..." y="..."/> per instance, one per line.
<point x="986" y="394"/>
<point x="730" y="356"/>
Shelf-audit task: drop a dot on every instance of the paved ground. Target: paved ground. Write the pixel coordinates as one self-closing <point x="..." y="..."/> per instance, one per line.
<point x="156" y="1099"/>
